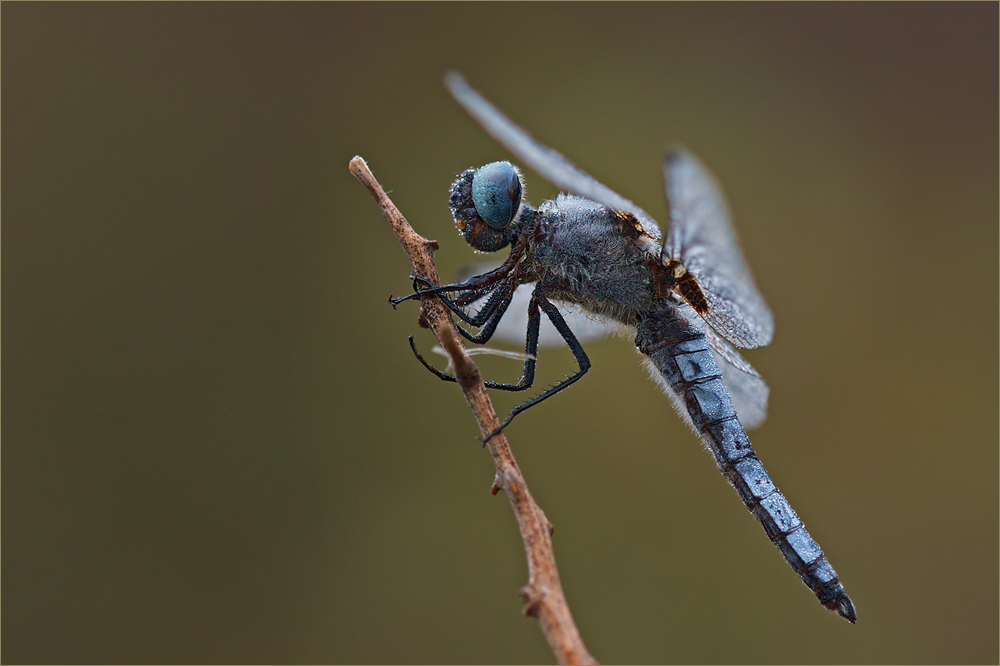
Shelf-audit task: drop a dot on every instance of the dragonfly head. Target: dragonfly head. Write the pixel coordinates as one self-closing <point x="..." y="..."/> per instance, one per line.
<point x="484" y="202"/>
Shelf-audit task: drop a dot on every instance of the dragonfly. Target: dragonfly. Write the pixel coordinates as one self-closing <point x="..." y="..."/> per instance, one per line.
<point x="592" y="256"/>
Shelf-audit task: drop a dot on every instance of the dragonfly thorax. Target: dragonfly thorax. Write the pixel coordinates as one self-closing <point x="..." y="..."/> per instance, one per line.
<point x="580" y="254"/>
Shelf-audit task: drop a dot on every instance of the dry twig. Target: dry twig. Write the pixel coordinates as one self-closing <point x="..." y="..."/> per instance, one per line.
<point x="543" y="596"/>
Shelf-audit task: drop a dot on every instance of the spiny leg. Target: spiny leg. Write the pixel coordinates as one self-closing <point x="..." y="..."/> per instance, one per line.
<point x="492" y="311"/>
<point x="531" y="347"/>
<point x="473" y="283"/>
<point x="498" y="297"/>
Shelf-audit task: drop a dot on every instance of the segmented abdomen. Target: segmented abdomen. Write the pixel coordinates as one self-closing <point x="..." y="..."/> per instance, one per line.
<point x="681" y="355"/>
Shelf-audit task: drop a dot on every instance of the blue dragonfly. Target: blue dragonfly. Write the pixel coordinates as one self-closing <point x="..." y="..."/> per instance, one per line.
<point x="688" y="295"/>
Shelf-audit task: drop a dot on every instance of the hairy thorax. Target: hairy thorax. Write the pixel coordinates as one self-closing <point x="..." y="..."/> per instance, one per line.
<point x="585" y="258"/>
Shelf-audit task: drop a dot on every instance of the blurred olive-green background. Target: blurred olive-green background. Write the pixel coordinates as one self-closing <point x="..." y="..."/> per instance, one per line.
<point x="219" y="448"/>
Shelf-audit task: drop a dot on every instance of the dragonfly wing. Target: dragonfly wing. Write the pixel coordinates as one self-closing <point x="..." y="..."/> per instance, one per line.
<point x="702" y="238"/>
<point x="547" y="162"/>
<point x="747" y="389"/>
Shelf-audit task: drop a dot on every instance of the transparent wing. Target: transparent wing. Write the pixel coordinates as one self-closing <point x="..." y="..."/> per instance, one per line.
<point x="702" y="238"/>
<point x="550" y="164"/>
<point x="747" y="389"/>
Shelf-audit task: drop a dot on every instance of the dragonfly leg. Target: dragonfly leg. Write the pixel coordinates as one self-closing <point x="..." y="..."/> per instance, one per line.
<point x="430" y="288"/>
<point x="469" y="295"/>
<point x="440" y="375"/>
<point x="488" y="318"/>
<point x="494" y="308"/>
<point x="531" y="347"/>
<point x="476" y="282"/>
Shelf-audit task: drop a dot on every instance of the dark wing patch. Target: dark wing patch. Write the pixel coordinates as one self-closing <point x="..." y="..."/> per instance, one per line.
<point x="701" y="238"/>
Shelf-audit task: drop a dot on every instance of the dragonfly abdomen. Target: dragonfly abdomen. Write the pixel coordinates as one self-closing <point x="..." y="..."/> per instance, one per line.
<point x="681" y="355"/>
<point x="739" y="464"/>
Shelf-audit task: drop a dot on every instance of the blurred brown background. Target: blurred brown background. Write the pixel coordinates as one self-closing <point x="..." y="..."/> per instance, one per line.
<point x="219" y="448"/>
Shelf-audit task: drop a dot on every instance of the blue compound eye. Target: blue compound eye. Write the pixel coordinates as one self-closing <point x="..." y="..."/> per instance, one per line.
<point x="496" y="193"/>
